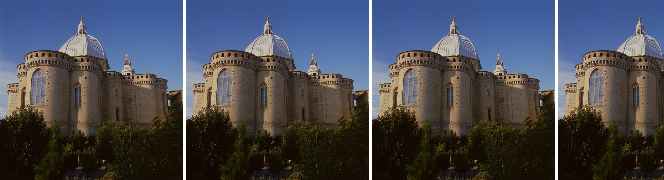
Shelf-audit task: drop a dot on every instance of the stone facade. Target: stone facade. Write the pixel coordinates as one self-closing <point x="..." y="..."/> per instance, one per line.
<point x="76" y="91"/>
<point x="448" y="91"/>
<point x="261" y="89"/>
<point x="623" y="85"/>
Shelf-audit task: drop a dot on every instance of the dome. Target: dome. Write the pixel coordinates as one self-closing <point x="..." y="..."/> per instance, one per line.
<point x="269" y="44"/>
<point x="455" y="44"/>
<point x="641" y="44"/>
<point x="82" y="44"/>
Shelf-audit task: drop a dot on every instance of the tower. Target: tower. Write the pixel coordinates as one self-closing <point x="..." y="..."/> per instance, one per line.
<point x="127" y="68"/>
<point x="314" y="70"/>
<point x="500" y="67"/>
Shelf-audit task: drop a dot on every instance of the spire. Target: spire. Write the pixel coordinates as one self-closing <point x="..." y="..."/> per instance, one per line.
<point x="312" y="60"/>
<point x="499" y="60"/>
<point x="453" y="26"/>
<point x="640" y="29"/>
<point x="81" y="27"/>
<point x="314" y="70"/>
<point x="267" y="28"/>
<point x="125" y="60"/>
<point x="500" y="67"/>
<point x="127" y="68"/>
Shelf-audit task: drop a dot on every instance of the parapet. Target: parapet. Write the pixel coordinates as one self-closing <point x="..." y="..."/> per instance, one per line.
<point x="12" y="88"/>
<point x="199" y="87"/>
<point x="570" y="88"/>
<point x="384" y="87"/>
<point x="48" y="58"/>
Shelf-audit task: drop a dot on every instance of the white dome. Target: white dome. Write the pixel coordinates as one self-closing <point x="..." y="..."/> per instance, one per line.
<point x="82" y="44"/>
<point x="269" y="44"/>
<point x="455" y="44"/>
<point x="641" y="44"/>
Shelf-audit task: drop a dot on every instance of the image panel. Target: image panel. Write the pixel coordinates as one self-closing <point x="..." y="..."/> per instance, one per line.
<point x="463" y="90"/>
<point x="91" y="90"/>
<point x="277" y="89"/>
<point x="610" y="83"/>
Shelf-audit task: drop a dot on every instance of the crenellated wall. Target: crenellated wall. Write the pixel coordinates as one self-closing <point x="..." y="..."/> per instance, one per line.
<point x="475" y="95"/>
<point x="292" y="96"/>
<point x="104" y="95"/>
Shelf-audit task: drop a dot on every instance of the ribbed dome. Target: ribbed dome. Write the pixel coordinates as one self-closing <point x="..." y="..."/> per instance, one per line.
<point x="455" y="44"/>
<point x="268" y="44"/>
<point x="82" y="44"/>
<point x="641" y="44"/>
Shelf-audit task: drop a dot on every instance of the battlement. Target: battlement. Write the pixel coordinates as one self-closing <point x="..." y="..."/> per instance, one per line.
<point x="113" y="74"/>
<point x="276" y="59"/>
<point x="334" y="80"/>
<point x="603" y="58"/>
<point x="300" y="74"/>
<point x="486" y="75"/>
<point x="231" y="58"/>
<point x="12" y="88"/>
<point x="146" y="79"/>
<point x="48" y="58"/>
<point x="384" y="87"/>
<point x="570" y="87"/>
<point x="199" y="87"/>
<point x="645" y="63"/>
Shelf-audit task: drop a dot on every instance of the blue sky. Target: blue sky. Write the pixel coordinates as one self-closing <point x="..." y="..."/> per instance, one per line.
<point x="593" y="25"/>
<point x="522" y="31"/>
<point x="336" y="31"/>
<point x="150" y="32"/>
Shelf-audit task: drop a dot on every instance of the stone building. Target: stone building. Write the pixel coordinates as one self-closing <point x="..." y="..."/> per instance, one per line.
<point x="624" y="85"/>
<point x="446" y="88"/>
<point x="261" y="89"/>
<point x="75" y="89"/>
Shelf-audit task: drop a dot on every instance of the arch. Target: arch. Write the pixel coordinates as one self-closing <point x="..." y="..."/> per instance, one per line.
<point x="450" y="95"/>
<point x="262" y="95"/>
<point x="37" y="88"/>
<point x="409" y="88"/>
<point x="223" y="88"/>
<point x="636" y="95"/>
<point x="596" y="88"/>
<point x="77" y="96"/>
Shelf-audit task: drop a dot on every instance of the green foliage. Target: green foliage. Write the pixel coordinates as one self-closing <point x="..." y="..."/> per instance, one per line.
<point x="396" y="138"/>
<point x="424" y="165"/>
<point x="582" y="138"/>
<point x="53" y="163"/>
<point x="210" y="141"/>
<point x="24" y="143"/>
<point x="609" y="166"/>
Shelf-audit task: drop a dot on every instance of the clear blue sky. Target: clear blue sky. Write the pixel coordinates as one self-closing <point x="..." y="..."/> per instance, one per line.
<point x="522" y="31"/>
<point x="336" y="31"/>
<point x="594" y="25"/>
<point x="149" y="31"/>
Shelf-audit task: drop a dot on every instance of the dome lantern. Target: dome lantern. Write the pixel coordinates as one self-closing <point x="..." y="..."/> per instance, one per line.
<point x="640" y="43"/>
<point x="455" y="44"/>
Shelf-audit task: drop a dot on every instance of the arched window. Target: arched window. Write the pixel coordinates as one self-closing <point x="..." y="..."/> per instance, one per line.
<point x="596" y="91"/>
<point x="635" y="95"/>
<point x="262" y="95"/>
<point x="450" y="95"/>
<point x="37" y="91"/>
<point x="77" y="96"/>
<point x="223" y="88"/>
<point x="409" y="88"/>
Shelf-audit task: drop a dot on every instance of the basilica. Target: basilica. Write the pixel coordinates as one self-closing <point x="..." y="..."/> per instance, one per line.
<point x="75" y="89"/>
<point x="261" y="90"/>
<point x="623" y="85"/>
<point x="446" y="88"/>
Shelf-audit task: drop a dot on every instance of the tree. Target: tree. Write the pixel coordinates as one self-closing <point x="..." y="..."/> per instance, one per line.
<point x="210" y="141"/>
<point x="52" y="166"/>
<point x="395" y="143"/>
<point x="424" y="166"/>
<point x="609" y="166"/>
<point x="581" y="141"/>
<point x="26" y="142"/>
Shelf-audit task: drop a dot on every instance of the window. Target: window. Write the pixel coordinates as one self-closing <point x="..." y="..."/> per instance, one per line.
<point x="223" y="88"/>
<point x="37" y="91"/>
<point x="409" y="88"/>
<point x="77" y="96"/>
<point x="596" y="93"/>
<point x="262" y="96"/>
<point x="635" y="95"/>
<point x="450" y="96"/>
